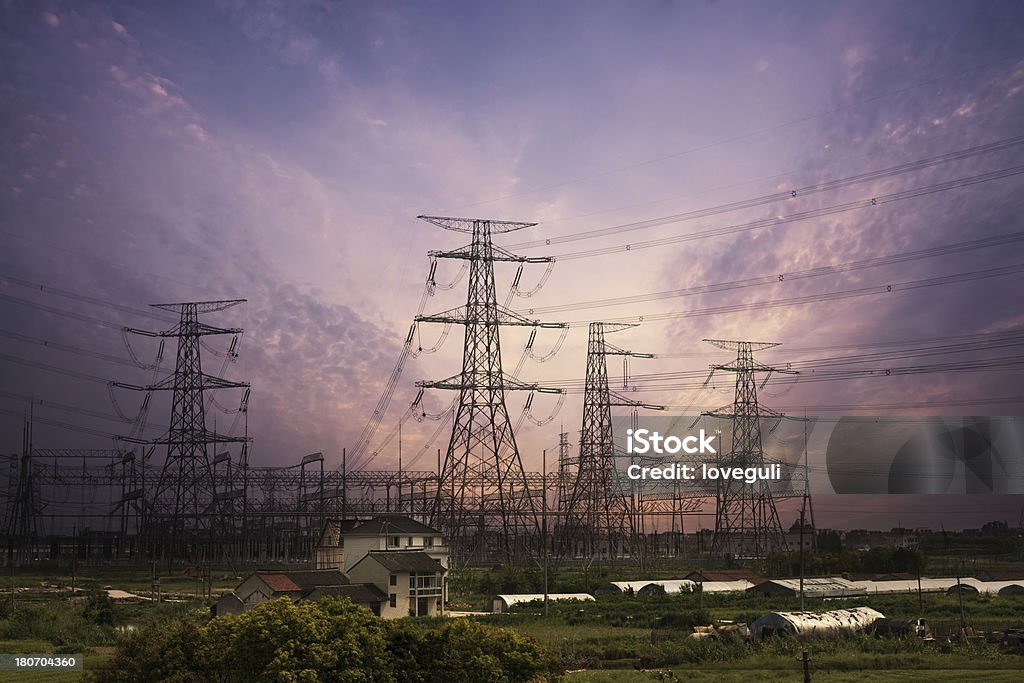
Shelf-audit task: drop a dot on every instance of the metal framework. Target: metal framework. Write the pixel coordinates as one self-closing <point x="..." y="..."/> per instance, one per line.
<point x="483" y="502"/>
<point x="746" y="520"/>
<point x="21" y="526"/>
<point x="185" y="505"/>
<point x="600" y="513"/>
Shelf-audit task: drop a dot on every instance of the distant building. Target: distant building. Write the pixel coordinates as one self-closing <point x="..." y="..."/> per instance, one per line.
<point x="709" y="575"/>
<point x="330" y="549"/>
<point x="393" y="565"/>
<point x="836" y="622"/>
<point x="263" y="586"/>
<point x="502" y="603"/>
<point x="793" y="537"/>
<point x="818" y="587"/>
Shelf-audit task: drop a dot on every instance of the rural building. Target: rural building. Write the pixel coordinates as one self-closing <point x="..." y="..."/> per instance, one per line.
<point x="724" y="575"/>
<point x="689" y="586"/>
<point x="261" y="587"/>
<point x="906" y="586"/>
<point x="383" y="556"/>
<point x="415" y="583"/>
<point x="391" y="533"/>
<point x="501" y="603"/>
<point x="330" y="549"/>
<point x="836" y="622"/>
<point x="363" y="594"/>
<point x="229" y="603"/>
<point x="667" y="586"/>
<point x="793" y="537"/>
<point x="1012" y="575"/>
<point x="828" y="587"/>
<point x="264" y="586"/>
<point x="621" y="587"/>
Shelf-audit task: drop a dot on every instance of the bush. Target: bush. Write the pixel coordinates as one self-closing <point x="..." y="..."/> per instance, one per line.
<point x="99" y="608"/>
<point x="464" y="650"/>
<point x="331" y="640"/>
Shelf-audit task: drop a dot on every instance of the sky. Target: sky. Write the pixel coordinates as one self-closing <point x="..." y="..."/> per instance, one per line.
<point x="279" y="152"/>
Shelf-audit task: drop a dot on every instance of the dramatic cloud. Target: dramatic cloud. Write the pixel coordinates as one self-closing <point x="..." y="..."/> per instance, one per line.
<point x="279" y="152"/>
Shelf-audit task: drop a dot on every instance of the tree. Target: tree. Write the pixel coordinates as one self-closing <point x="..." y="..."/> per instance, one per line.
<point x="467" y="651"/>
<point x="331" y="640"/>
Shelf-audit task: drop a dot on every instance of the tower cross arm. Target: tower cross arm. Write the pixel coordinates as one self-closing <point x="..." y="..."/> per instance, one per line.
<point x="199" y="330"/>
<point x="729" y="411"/>
<point x="503" y="316"/>
<point x="467" y="224"/>
<point x="495" y="253"/>
<point x="201" y="306"/>
<point x="730" y="345"/>
<point x="167" y="384"/>
<point x="495" y="384"/>
<point x="620" y="400"/>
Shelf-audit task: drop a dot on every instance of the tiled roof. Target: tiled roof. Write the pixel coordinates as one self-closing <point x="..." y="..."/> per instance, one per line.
<point x="307" y="580"/>
<point x="290" y="582"/>
<point x="359" y="593"/>
<point x="403" y="561"/>
<point x="279" y="583"/>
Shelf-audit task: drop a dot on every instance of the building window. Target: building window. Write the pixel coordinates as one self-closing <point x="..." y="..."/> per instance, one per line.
<point x="394" y="541"/>
<point x="428" y="542"/>
<point x="410" y="541"/>
<point x="393" y="600"/>
<point x="393" y="580"/>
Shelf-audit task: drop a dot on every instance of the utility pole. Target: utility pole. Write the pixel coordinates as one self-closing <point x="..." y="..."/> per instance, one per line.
<point x="482" y="478"/>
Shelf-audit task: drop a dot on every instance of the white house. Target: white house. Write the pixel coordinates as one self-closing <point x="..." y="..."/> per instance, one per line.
<point x="391" y="532"/>
<point x="414" y="582"/>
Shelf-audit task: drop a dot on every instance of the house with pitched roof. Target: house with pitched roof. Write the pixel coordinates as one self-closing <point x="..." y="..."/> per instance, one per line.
<point x="393" y="566"/>
<point x="415" y="583"/>
<point x="392" y="533"/>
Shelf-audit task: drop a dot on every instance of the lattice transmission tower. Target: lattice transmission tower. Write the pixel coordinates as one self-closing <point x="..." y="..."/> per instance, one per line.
<point x="497" y="511"/>
<point x="601" y="516"/>
<point x="746" y="520"/>
<point x="21" y="527"/>
<point x="183" y="509"/>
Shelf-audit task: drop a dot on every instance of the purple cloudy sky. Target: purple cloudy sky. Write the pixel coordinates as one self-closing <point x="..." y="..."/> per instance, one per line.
<point x="280" y="151"/>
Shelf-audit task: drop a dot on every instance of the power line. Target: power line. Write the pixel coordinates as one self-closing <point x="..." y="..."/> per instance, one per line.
<point x="909" y="285"/>
<point x="866" y="202"/>
<point x="782" y="195"/>
<point x="82" y="297"/>
<point x="777" y="278"/>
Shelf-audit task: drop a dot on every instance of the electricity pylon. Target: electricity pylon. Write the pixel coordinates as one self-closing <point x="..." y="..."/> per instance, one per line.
<point x="499" y="512"/>
<point x="601" y="514"/>
<point x="746" y="520"/>
<point x="183" y="508"/>
<point x="21" y="525"/>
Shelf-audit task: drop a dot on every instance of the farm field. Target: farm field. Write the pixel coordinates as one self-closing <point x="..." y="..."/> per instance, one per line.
<point x="616" y="638"/>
